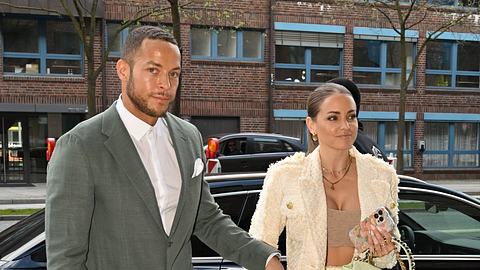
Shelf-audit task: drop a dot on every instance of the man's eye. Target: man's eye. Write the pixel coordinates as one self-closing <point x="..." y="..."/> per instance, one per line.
<point x="175" y="74"/>
<point x="152" y="70"/>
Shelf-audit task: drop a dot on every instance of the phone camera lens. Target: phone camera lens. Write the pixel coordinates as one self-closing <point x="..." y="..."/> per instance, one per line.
<point x="381" y="219"/>
<point x="375" y="216"/>
<point x="380" y="212"/>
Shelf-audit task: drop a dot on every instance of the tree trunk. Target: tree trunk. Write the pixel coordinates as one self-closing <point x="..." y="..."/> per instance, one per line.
<point x="175" y="13"/>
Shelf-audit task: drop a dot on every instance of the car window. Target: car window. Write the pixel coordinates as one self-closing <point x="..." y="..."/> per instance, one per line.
<point x="441" y="225"/>
<point x="231" y="205"/>
<point x="267" y="145"/>
<point x="288" y="147"/>
<point x="232" y="147"/>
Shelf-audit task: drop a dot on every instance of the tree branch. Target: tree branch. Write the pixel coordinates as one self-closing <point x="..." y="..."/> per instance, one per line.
<point x="32" y="8"/>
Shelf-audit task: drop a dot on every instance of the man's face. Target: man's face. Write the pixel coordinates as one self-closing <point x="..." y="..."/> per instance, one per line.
<point x="150" y="81"/>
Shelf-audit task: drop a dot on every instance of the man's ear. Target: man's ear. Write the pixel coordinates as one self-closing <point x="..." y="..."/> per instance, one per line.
<point x="123" y="70"/>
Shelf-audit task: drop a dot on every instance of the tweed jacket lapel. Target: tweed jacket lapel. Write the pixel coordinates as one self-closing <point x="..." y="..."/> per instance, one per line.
<point x="123" y="150"/>
<point x="314" y="199"/>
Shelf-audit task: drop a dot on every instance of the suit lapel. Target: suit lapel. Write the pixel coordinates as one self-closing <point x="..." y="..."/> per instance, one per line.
<point x="184" y="153"/>
<point x="125" y="154"/>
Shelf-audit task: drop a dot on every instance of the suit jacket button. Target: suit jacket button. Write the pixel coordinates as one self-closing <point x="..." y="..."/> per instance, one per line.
<point x="170" y="243"/>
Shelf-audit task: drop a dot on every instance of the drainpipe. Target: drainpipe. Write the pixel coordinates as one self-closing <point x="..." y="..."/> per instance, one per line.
<point x="271" y="68"/>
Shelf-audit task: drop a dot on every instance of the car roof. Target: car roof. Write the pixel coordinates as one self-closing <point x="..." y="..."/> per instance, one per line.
<point x="257" y="134"/>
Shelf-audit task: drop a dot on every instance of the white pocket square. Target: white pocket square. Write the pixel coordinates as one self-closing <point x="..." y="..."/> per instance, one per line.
<point x="197" y="168"/>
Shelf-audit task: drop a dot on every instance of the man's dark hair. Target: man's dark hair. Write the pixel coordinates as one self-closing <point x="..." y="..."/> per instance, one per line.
<point x="350" y="87"/>
<point x="137" y="35"/>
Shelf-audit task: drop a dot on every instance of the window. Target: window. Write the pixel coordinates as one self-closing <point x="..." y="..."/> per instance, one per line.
<point x="41" y="47"/>
<point x="451" y="144"/>
<point x="453" y="64"/>
<point x="442" y="225"/>
<point x="385" y="134"/>
<point x="304" y="57"/>
<point x="455" y="3"/>
<point x="378" y="62"/>
<point x="226" y="44"/>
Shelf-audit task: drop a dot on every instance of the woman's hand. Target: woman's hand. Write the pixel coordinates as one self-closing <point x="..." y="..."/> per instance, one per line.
<point x="379" y="240"/>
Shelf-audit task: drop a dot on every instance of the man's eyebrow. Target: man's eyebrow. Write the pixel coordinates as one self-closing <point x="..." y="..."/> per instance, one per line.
<point x="160" y="65"/>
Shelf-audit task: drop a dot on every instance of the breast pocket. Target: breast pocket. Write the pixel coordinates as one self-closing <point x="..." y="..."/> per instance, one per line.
<point x="292" y="207"/>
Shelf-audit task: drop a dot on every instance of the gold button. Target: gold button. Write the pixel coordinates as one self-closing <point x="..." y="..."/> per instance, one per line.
<point x="289" y="205"/>
<point x="392" y="205"/>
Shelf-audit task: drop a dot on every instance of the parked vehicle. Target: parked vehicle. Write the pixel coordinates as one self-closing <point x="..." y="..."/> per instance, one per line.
<point x="441" y="226"/>
<point x="250" y="152"/>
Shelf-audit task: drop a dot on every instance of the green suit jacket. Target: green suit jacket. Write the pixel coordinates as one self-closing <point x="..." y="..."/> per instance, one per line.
<point x="101" y="211"/>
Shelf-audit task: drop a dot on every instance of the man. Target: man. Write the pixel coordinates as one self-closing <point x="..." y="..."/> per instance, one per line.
<point x="363" y="143"/>
<point x="125" y="188"/>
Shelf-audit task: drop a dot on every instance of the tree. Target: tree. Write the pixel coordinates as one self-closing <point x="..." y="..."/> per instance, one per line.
<point x="403" y="15"/>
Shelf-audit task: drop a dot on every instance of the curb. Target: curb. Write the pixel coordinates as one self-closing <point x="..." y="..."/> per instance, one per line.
<point x="12" y="217"/>
<point x="23" y="201"/>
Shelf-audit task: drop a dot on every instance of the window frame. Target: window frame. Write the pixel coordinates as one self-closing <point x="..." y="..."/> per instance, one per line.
<point x="453" y="72"/>
<point x="239" y="45"/>
<point x="42" y="55"/>
<point x="383" y="69"/>
<point x="381" y="139"/>
<point x="309" y="67"/>
<point x="451" y="152"/>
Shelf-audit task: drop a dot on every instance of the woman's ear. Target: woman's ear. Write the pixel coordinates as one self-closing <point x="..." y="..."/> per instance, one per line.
<point x="311" y="125"/>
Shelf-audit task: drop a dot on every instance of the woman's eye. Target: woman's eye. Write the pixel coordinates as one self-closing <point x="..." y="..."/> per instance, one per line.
<point x="352" y="117"/>
<point x="332" y="118"/>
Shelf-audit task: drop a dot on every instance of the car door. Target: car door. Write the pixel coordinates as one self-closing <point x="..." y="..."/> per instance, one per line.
<point x="234" y="160"/>
<point x="443" y="230"/>
<point x="231" y="201"/>
<point x="265" y="151"/>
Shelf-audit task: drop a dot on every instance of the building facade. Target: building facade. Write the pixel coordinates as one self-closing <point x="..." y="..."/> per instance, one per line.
<point x="249" y="66"/>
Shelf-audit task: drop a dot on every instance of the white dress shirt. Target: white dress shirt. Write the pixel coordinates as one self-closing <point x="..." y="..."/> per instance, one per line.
<point x="155" y="147"/>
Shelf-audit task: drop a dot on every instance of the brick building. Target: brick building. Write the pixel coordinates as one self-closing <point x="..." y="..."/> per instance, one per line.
<point x="249" y="66"/>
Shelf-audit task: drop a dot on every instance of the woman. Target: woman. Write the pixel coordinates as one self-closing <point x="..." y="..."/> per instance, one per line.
<point x="319" y="198"/>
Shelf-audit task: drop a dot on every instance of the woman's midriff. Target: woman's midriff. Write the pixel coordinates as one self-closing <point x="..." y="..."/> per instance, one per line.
<point x="337" y="256"/>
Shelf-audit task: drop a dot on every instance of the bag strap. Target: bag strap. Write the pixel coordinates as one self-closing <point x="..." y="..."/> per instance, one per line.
<point x="408" y="253"/>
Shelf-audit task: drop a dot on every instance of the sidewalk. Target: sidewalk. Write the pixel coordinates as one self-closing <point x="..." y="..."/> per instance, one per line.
<point x="22" y="195"/>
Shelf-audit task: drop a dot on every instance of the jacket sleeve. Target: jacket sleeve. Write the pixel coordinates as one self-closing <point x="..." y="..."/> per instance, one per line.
<point x="220" y="233"/>
<point x="69" y="205"/>
<point x="268" y="221"/>
<point x="390" y="260"/>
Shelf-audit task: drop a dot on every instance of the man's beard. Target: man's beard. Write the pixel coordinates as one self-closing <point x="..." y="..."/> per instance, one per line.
<point x="140" y="103"/>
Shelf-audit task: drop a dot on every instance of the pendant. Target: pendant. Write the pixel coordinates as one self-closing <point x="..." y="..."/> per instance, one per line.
<point x="332" y="187"/>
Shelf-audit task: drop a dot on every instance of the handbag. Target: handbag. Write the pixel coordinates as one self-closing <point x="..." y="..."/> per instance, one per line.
<point x="358" y="263"/>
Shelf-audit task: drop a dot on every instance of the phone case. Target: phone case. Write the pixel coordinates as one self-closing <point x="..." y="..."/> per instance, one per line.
<point x="381" y="218"/>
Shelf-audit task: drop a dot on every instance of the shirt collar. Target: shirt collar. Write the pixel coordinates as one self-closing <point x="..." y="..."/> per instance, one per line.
<point x="136" y="127"/>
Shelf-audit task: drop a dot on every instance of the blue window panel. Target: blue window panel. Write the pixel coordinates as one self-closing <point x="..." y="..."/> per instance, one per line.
<point x="308" y="67"/>
<point x="383" y="32"/>
<point x="239" y="48"/>
<point x="43" y="56"/>
<point x="456" y="36"/>
<point x="451" y="117"/>
<point x="307" y="27"/>
<point x="383" y="70"/>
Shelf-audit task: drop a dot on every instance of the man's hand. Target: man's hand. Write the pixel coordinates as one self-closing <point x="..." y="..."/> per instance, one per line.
<point x="274" y="264"/>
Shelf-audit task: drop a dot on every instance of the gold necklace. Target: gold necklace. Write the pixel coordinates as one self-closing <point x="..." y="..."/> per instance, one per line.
<point x="333" y="183"/>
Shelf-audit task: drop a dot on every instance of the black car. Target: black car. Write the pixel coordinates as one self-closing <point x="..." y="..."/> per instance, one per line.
<point x="441" y="226"/>
<point x="254" y="152"/>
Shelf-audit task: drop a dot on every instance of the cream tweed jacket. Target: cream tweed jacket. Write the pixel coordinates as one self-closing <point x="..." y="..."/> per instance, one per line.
<point x="293" y="196"/>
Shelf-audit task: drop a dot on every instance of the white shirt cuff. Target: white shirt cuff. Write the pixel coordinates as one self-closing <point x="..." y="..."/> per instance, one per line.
<point x="276" y="254"/>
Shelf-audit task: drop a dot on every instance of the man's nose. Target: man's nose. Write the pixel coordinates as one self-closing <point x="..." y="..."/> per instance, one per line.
<point x="163" y="80"/>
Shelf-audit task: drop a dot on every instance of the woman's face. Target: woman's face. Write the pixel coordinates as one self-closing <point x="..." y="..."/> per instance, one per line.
<point x="336" y="122"/>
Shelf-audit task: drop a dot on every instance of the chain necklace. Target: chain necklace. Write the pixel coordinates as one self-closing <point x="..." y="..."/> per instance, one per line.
<point x="333" y="183"/>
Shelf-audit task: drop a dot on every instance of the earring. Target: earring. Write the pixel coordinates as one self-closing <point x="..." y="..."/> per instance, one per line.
<point x="314" y="137"/>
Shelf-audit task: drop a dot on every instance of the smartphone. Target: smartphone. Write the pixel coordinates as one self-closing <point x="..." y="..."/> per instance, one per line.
<point x="381" y="218"/>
